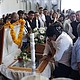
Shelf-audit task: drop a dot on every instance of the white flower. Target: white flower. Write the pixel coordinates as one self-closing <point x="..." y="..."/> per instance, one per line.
<point x="24" y="54"/>
<point x="39" y="34"/>
<point x="29" y="59"/>
<point x="24" y="57"/>
<point x="41" y="37"/>
<point x="36" y="33"/>
<point x="42" y="30"/>
<point x="35" y="29"/>
<point x="36" y="40"/>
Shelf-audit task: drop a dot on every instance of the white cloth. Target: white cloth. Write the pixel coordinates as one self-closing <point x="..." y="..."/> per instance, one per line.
<point x="47" y="71"/>
<point x="37" y="23"/>
<point x="62" y="43"/>
<point x="10" y="49"/>
<point x="13" y="75"/>
<point x="35" y="77"/>
<point x="18" y="75"/>
<point x="28" y="24"/>
<point x="67" y="22"/>
<point x="24" y="39"/>
<point x="9" y="46"/>
<point x="42" y="20"/>
<point x="67" y="27"/>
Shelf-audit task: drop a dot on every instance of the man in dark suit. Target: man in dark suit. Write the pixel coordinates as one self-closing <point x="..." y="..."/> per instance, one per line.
<point x="36" y="21"/>
<point x="74" y="25"/>
<point x="30" y="19"/>
<point x="48" y="18"/>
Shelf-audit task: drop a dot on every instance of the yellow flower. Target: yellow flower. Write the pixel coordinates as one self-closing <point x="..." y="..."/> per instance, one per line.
<point x="22" y="21"/>
<point x="11" y="26"/>
<point x="13" y="33"/>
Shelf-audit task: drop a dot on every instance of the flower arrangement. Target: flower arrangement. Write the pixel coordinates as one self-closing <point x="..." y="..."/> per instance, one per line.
<point x="13" y="33"/>
<point x="39" y="34"/>
<point x="24" y="57"/>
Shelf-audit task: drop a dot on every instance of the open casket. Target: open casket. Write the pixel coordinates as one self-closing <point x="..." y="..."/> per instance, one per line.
<point x="9" y="50"/>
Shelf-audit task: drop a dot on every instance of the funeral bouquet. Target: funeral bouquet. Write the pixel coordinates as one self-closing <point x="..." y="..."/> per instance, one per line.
<point x="39" y="34"/>
<point x="24" y="56"/>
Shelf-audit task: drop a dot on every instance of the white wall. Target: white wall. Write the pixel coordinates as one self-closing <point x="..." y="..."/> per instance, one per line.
<point x="9" y="6"/>
<point x="71" y="4"/>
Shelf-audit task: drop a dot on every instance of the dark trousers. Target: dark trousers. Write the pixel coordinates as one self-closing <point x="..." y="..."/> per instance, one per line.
<point x="24" y="46"/>
<point x="75" y="75"/>
<point x="61" y="70"/>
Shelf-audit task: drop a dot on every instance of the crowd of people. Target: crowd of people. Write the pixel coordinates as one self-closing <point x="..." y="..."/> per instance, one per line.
<point x="62" y="34"/>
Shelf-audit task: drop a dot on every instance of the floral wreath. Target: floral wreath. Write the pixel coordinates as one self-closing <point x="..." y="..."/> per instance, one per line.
<point x="13" y="33"/>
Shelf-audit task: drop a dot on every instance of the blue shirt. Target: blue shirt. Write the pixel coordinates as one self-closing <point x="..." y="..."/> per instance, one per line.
<point x="75" y="58"/>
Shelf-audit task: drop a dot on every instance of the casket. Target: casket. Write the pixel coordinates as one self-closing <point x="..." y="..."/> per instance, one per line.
<point x="9" y="50"/>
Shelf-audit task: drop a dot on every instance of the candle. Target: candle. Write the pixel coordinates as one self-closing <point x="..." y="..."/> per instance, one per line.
<point x="32" y="45"/>
<point x="37" y="23"/>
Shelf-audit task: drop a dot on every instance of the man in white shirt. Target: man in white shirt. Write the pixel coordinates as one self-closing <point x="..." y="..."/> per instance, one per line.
<point x="67" y="24"/>
<point x="75" y="57"/>
<point x="62" y="42"/>
<point x="41" y="17"/>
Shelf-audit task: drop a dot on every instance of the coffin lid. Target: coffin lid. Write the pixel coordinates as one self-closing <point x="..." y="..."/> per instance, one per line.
<point x="1" y="42"/>
<point x="4" y="35"/>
